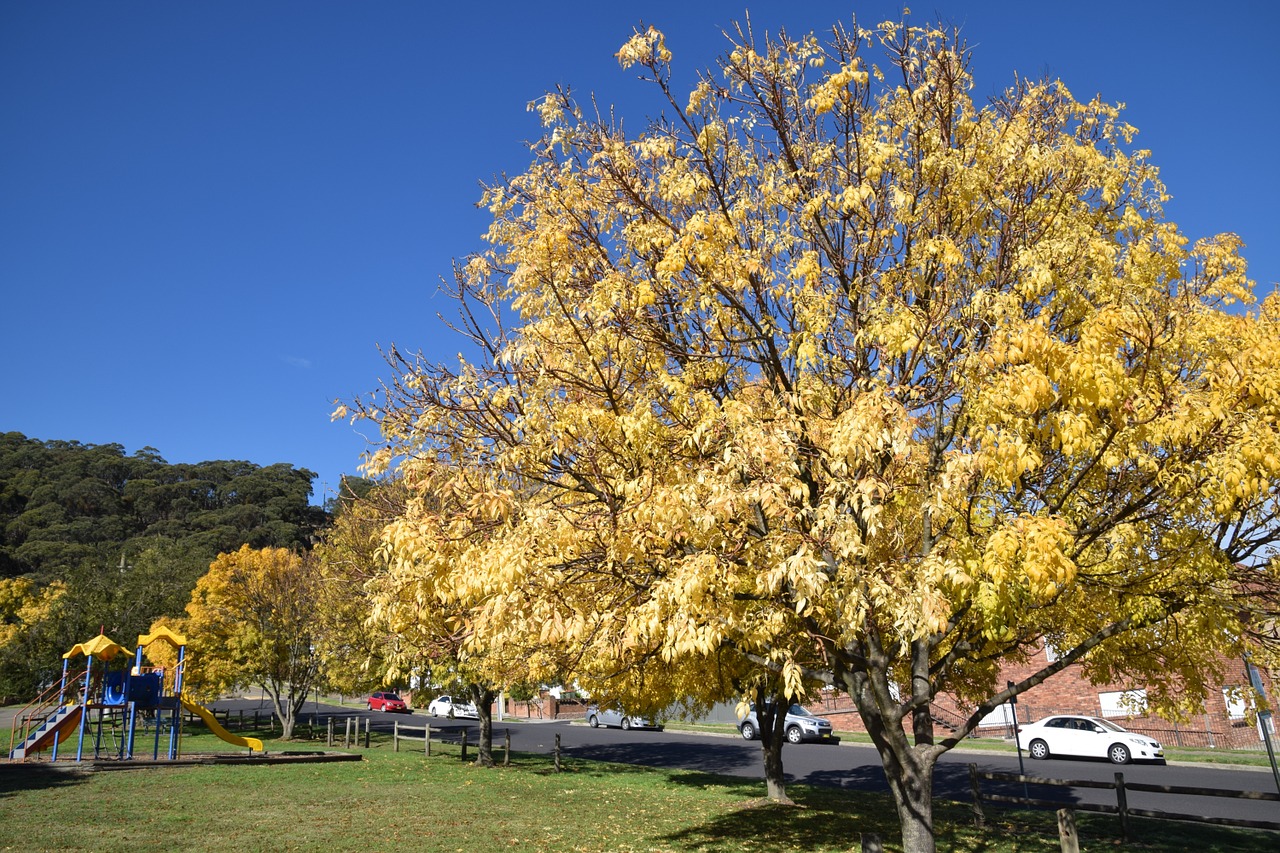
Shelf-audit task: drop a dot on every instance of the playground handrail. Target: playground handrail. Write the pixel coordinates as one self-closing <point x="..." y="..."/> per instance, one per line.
<point x="40" y="708"/>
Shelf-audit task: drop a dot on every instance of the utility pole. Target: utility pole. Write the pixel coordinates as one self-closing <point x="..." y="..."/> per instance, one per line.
<point x="1264" y="717"/>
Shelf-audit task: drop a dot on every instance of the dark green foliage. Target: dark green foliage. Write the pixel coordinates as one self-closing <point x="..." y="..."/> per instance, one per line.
<point x="62" y="503"/>
<point x="128" y="535"/>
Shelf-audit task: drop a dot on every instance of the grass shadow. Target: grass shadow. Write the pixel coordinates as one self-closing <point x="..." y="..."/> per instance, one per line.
<point x="36" y="776"/>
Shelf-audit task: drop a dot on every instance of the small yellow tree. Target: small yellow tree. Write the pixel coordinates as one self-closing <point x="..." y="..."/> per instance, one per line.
<point x="252" y="619"/>
<point x="27" y="635"/>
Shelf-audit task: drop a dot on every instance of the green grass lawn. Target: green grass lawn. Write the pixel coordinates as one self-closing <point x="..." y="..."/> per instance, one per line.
<point x="405" y="800"/>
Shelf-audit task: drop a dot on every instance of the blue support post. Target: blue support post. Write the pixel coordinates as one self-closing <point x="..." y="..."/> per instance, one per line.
<point x="175" y="717"/>
<point x="62" y="695"/>
<point x="131" y="711"/>
<point x="84" y="709"/>
<point x="132" y="705"/>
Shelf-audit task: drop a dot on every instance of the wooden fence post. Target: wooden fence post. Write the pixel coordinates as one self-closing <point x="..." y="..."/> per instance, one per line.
<point x="506" y="752"/>
<point x="979" y="819"/>
<point x="1068" y="838"/>
<point x="871" y="843"/>
<point x="346" y="735"/>
<point x="366" y="732"/>
<point x="395" y="736"/>
<point x="464" y="744"/>
<point x="426" y="736"/>
<point x="1122" y="807"/>
<point x="557" y="752"/>
<point x="329" y="738"/>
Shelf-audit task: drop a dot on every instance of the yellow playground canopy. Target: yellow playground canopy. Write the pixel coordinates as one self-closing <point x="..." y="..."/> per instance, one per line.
<point x="101" y="647"/>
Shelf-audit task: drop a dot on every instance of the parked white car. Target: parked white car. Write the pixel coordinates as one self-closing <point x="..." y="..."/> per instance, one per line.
<point x="1087" y="737"/>
<point x="447" y="706"/>
<point x="800" y="726"/>
<point x="597" y="716"/>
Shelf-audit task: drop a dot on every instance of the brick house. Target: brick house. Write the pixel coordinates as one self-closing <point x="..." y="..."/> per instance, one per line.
<point x="1223" y="725"/>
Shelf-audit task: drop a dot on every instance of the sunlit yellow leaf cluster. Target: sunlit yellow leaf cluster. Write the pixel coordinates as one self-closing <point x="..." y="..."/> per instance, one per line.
<point x="841" y="374"/>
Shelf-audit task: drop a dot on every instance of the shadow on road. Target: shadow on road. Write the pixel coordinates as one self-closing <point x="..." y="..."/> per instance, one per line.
<point x="705" y="758"/>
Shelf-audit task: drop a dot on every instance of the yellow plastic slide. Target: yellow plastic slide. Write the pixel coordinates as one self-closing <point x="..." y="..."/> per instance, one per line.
<point x="212" y="722"/>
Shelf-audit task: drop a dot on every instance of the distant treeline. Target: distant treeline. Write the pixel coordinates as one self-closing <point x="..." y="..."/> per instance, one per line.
<point x="63" y="502"/>
<point x="92" y="539"/>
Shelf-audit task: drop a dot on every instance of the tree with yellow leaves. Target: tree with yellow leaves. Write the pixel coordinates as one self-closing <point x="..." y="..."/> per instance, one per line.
<point x="252" y="620"/>
<point x="354" y="652"/>
<point x="865" y="381"/>
<point x="28" y="636"/>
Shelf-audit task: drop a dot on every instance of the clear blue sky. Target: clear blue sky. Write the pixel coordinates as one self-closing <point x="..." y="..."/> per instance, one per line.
<point x="212" y="213"/>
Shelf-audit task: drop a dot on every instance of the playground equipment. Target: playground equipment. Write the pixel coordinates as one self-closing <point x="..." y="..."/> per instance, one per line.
<point x="120" y="695"/>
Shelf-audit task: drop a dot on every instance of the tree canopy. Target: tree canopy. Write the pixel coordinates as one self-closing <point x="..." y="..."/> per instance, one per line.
<point x="839" y="369"/>
<point x="62" y="502"/>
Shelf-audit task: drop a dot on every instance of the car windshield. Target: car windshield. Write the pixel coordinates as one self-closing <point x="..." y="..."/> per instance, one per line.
<point x="393" y="697"/>
<point x="798" y="711"/>
<point x="1107" y="724"/>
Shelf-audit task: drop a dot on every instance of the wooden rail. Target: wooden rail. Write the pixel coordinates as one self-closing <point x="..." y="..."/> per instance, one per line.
<point x="1121" y="808"/>
<point x="397" y="735"/>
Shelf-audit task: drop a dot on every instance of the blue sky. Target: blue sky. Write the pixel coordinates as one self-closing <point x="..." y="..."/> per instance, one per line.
<point x="211" y="214"/>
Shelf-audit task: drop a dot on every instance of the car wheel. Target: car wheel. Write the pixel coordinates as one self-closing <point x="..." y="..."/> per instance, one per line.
<point x="1038" y="749"/>
<point x="369" y="705"/>
<point x="594" y="722"/>
<point x="451" y="713"/>
<point x="748" y="731"/>
<point x="626" y="724"/>
<point x="793" y="735"/>
<point x="1118" y="753"/>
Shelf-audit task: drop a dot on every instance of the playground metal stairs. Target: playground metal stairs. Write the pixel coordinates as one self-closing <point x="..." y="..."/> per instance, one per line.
<point x="38" y="734"/>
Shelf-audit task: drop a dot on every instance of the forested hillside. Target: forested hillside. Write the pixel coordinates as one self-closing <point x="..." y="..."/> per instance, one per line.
<point x="93" y="538"/>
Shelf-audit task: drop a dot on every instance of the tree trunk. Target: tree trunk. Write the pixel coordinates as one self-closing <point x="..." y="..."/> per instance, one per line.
<point x="771" y="717"/>
<point x="287" y="705"/>
<point x="482" y="698"/>
<point x="911" y="783"/>
<point x="909" y="769"/>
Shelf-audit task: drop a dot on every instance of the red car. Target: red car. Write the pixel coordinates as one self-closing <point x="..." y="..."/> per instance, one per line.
<point x="387" y="701"/>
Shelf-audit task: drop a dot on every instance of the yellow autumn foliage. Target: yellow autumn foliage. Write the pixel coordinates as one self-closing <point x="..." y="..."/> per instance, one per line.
<point x="848" y="379"/>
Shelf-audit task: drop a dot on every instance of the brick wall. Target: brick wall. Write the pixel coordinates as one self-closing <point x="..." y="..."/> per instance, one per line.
<point x="1068" y="692"/>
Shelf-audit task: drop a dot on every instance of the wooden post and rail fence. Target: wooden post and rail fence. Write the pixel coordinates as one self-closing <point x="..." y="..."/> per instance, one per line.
<point x="1122" y="809"/>
<point x="356" y="731"/>
<point x="400" y="732"/>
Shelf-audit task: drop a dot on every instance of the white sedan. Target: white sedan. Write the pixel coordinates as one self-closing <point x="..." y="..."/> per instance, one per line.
<point x="447" y="706"/>
<point x="1087" y="737"/>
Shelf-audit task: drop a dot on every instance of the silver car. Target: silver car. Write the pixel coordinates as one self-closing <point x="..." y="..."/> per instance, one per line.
<point x="800" y="726"/>
<point x="597" y="716"/>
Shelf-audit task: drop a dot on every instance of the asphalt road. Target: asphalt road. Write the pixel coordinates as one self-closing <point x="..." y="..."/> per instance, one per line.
<point x="847" y="766"/>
